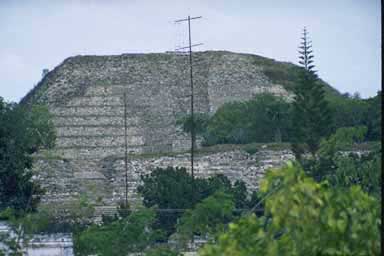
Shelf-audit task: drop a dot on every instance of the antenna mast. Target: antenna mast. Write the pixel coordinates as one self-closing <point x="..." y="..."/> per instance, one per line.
<point x="125" y="150"/>
<point x="193" y="135"/>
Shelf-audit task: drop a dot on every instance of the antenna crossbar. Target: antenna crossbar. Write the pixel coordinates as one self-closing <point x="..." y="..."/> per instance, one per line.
<point x="193" y="135"/>
<point x="189" y="18"/>
<point x="187" y="47"/>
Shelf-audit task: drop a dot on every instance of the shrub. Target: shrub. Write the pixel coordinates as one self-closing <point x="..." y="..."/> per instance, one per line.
<point x="303" y="217"/>
<point x="131" y="234"/>
<point x="265" y="118"/>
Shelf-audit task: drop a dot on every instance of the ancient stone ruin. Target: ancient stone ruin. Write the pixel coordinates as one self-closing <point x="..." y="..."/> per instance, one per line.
<point x="85" y="96"/>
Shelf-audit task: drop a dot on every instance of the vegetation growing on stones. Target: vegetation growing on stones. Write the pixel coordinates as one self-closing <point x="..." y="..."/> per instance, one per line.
<point x="245" y="122"/>
<point x="251" y="121"/>
<point x="201" y="122"/>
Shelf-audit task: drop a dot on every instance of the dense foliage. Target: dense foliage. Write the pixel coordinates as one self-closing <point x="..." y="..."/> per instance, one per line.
<point x="343" y="168"/>
<point x="207" y="217"/>
<point x="130" y="234"/>
<point x="303" y="217"/>
<point x="353" y="111"/>
<point x="244" y="122"/>
<point x="161" y="251"/>
<point x="22" y="132"/>
<point x="263" y="119"/>
<point x="173" y="191"/>
<point x="267" y="118"/>
<point x="373" y="117"/>
<point x="200" y="121"/>
<point x="169" y="188"/>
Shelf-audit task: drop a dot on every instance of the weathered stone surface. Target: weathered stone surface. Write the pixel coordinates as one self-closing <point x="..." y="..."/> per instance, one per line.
<point x="103" y="180"/>
<point x="85" y="96"/>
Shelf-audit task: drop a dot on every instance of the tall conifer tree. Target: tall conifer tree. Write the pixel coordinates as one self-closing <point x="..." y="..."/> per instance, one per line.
<point x="311" y="118"/>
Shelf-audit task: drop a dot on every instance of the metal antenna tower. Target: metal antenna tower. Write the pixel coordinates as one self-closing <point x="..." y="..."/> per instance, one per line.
<point x="126" y="150"/>
<point x="124" y="92"/>
<point x="193" y="136"/>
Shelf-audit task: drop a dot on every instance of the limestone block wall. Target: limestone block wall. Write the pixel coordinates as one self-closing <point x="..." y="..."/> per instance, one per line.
<point x="85" y="96"/>
<point x="103" y="180"/>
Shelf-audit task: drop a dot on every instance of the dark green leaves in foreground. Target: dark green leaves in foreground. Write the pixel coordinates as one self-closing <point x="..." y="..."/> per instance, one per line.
<point x="303" y="217"/>
<point x="207" y="218"/>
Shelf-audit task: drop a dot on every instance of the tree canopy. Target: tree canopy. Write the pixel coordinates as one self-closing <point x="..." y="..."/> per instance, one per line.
<point x="303" y="217"/>
<point x="133" y="233"/>
<point x="207" y="217"/>
<point x="23" y="131"/>
<point x="312" y="118"/>
<point x="174" y="191"/>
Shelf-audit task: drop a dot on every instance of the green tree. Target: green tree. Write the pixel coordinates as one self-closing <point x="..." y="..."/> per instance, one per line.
<point x="265" y="118"/>
<point x="312" y="118"/>
<point x="131" y="234"/>
<point x="363" y="170"/>
<point x="342" y="168"/>
<point x="169" y="188"/>
<point x="348" y="112"/>
<point x="228" y="125"/>
<point x="240" y="195"/>
<point x="269" y="118"/>
<point x="23" y="131"/>
<point x="207" y="217"/>
<point x="201" y="121"/>
<point x="351" y="111"/>
<point x="303" y="217"/>
<point x="161" y="251"/>
<point x="163" y="188"/>
<point x="373" y="117"/>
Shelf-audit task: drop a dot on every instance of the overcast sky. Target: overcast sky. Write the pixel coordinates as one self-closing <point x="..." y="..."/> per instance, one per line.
<point x="40" y="34"/>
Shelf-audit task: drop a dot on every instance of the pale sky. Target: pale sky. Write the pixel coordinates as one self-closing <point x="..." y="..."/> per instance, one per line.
<point x="40" y="34"/>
